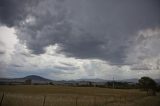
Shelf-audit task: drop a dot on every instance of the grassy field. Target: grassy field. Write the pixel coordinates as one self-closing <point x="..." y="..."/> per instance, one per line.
<point x="46" y="95"/>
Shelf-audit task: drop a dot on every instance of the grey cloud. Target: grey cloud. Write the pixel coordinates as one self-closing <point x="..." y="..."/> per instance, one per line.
<point x="141" y="68"/>
<point x="66" y="68"/>
<point x="2" y="45"/>
<point x="67" y="64"/>
<point x="146" y="47"/>
<point x="27" y="54"/>
<point x="2" y="52"/>
<point x="61" y="72"/>
<point x="15" y="65"/>
<point x="13" y="12"/>
<point x="2" y="67"/>
<point x="101" y="29"/>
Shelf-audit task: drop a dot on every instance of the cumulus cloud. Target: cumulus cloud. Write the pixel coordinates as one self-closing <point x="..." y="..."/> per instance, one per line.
<point x="81" y="38"/>
<point x="146" y="47"/>
<point x="82" y="29"/>
<point x="7" y="43"/>
<point x="144" y="53"/>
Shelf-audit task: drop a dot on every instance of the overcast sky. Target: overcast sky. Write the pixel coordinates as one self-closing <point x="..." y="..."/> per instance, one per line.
<point x="73" y="39"/>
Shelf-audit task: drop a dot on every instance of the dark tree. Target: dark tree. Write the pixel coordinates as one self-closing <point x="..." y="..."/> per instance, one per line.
<point x="148" y="84"/>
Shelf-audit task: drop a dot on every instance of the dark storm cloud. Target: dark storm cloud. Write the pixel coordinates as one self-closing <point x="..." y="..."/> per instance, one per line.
<point x="12" y="12"/>
<point x="102" y="29"/>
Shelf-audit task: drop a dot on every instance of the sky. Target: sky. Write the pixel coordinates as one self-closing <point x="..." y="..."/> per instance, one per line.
<point x="76" y="39"/>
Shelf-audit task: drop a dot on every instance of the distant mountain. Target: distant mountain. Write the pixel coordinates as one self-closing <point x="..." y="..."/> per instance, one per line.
<point x="93" y="80"/>
<point x="133" y="80"/>
<point x="41" y="80"/>
<point x="103" y="80"/>
<point x="36" y="78"/>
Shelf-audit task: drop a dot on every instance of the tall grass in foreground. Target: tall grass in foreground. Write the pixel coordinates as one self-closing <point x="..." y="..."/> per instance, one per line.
<point x="74" y="96"/>
<point x="77" y="100"/>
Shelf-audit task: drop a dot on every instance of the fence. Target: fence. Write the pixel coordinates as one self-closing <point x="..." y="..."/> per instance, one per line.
<point x="60" y="100"/>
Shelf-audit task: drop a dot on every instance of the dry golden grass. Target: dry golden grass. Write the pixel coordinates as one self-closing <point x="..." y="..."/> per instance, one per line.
<point x="33" y="95"/>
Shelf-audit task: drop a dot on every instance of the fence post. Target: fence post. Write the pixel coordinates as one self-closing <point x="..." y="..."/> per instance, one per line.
<point x="76" y="100"/>
<point x="44" y="100"/>
<point x="95" y="101"/>
<point x="2" y="99"/>
<point x="106" y="101"/>
<point x="125" y="101"/>
<point x="120" y="100"/>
